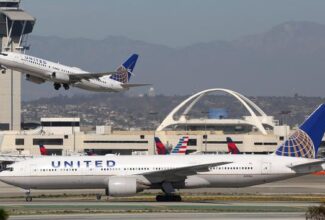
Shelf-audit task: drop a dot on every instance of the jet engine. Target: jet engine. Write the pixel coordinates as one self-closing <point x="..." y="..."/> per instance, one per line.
<point x="60" y="77"/>
<point x="123" y="186"/>
<point x="34" y="79"/>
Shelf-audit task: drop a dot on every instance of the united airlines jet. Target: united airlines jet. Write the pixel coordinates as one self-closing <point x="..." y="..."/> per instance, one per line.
<point x="39" y="71"/>
<point x="127" y="175"/>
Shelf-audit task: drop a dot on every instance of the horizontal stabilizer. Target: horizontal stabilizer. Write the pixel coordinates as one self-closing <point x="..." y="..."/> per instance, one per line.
<point x="313" y="163"/>
<point x="128" y="85"/>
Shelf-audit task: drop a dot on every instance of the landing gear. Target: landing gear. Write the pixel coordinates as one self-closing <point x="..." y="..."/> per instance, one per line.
<point x="28" y="197"/>
<point x="66" y="86"/>
<point x="169" y="195"/>
<point x="3" y="69"/>
<point x="57" y="86"/>
<point x="168" y="198"/>
<point x="98" y="197"/>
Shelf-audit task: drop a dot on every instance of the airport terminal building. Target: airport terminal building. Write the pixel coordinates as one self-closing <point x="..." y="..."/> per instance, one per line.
<point x="256" y="133"/>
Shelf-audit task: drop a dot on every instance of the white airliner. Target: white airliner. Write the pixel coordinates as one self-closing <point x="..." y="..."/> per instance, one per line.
<point x="39" y="71"/>
<point x="127" y="175"/>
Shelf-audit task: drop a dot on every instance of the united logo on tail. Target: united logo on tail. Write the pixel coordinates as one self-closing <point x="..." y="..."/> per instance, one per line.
<point x="306" y="140"/>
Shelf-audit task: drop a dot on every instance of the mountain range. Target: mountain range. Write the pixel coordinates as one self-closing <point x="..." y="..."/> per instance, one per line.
<point x="285" y="60"/>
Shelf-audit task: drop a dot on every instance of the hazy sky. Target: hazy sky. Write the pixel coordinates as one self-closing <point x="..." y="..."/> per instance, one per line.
<point x="169" y="22"/>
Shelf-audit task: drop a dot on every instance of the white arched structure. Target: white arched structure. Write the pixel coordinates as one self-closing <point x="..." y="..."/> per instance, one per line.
<point x="252" y="108"/>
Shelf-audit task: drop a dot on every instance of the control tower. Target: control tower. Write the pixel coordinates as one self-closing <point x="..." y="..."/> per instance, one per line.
<point x="15" y="24"/>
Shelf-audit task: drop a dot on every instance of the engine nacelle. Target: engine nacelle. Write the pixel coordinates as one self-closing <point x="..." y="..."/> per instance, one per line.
<point x="34" y="79"/>
<point x="60" y="77"/>
<point x="122" y="186"/>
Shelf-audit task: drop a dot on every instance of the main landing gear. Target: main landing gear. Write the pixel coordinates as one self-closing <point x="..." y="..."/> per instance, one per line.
<point x="57" y="86"/>
<point x="28" y="197"/>
<point x="66" y="86"/>
<point x="169" y="195"/>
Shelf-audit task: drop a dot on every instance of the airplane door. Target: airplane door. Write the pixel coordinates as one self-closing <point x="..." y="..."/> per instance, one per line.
<point x="266" y="168"/>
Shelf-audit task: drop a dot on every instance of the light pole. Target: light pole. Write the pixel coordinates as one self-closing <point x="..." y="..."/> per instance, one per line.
<point x="153" y="114"/>
<point x="205" y="130"/>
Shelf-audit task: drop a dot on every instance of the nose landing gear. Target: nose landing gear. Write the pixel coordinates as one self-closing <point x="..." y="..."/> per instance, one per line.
<point x="28" y="197"/>
<point x="3" y="69"/>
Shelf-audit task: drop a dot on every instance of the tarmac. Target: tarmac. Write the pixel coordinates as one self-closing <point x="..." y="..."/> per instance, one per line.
<point x="164" y="216"/>
<point x="310" y="184"/>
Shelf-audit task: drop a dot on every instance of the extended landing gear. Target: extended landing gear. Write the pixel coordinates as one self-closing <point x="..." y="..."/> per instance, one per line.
<point x="3" y="69"/>
<point x="28" y="197"/>
<point x="66" y="86"/>
<point x="57" y="86"/>
<point x="169" y="195"/>
<point x="98" y="197"/>
<point x="168" y="198"/>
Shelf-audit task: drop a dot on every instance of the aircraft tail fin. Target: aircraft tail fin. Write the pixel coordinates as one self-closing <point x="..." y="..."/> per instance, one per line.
<point x="42" y="150"/>
<point x="232" y="148"/>
<point x="306" y="140"/>
<point x="181" y="147"/>
<point x="160" y="147"/>
<point x="125" y="71"/>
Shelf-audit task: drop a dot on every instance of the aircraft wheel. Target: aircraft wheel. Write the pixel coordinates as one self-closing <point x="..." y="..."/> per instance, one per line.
<point x="66" y="86"/>
<point x="98" y="197"/>
<point x="3" y="71"/>
<point x="57" y="86"/>
<point x="28" y="199"/>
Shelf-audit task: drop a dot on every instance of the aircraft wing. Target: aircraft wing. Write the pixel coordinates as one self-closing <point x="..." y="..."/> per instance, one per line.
<point x="180" y="173"/>
<point x="80" y="76"/>
<point x="13" y="158"/>
<point x="129" y="85"/>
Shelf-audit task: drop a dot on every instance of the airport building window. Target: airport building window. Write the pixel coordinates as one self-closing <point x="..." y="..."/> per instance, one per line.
<point x="265" y="143"/>
<point x="4" y="126"/>
<point x="221" y="142"/>
<point x="192" y="142"/>
<point x="20" y="141"/>
<point x="114" y="142"/>
<point x="142" y="136"/>
<point x="48" y="141"/>
<point x="60" y="124"/>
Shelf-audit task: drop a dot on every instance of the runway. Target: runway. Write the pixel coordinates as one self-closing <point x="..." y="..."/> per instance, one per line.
<point x="164" y="216"/>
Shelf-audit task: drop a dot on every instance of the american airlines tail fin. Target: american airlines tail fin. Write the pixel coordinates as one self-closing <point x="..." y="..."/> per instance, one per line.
<point x="42" y="150"/>
<point x="306" y="140"/>
<point x="125" y="71"/>
<point x="232" y="148"/>
<point x="160" y="147"/>
<point x="181" y="147"/>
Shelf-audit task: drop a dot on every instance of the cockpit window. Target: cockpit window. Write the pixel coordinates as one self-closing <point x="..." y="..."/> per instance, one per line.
<point x="4" y="54"/>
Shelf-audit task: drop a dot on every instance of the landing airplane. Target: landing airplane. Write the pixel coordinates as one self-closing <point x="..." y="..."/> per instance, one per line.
<point x="39" y="71"/>
<point x="179" y="149"/>
<point x="127" y="175"/>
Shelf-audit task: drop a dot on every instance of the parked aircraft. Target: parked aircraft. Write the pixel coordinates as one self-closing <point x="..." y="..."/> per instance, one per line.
<point x="126" y="175"/>
<point x="39" y="71"/>
<point x="232" y="147"/>
<point x="179" y="149"/>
